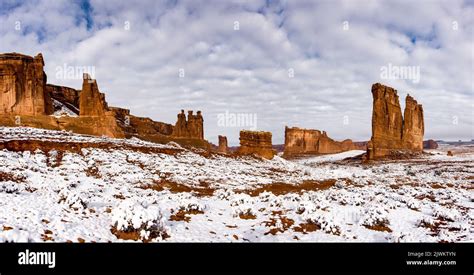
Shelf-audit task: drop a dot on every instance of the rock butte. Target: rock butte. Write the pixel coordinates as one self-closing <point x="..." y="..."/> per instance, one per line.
<point x="27" y="100"/>
<point x="223" y="148"/>
<point x="300" y="141"/>
<point x="256" y="143"/>
<point x="393" y="134"/>
<point x="430" y="144"/>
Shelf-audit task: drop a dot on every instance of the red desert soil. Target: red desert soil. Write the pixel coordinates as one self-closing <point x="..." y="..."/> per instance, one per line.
<point x="201" y="191"/>
<point x="5" y="176"/>
<point x="285" y="188"/>
<point x="75" y="147"/>
<point x="247" y="216"/>
<point x="183" y="215"/>
<point x="379" y="227"/>
<point x="306" y="227"/>
<point x="133" y="235"/>
<point x="284" y="221"/>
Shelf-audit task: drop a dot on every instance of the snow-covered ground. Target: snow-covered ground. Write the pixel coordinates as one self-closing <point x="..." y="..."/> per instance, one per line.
<point x="101" y="194"/>
<point x="329" y="158"/>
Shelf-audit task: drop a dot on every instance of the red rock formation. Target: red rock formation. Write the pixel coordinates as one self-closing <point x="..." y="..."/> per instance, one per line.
<point x="24" y="93"/>
<point x="22" y="84"/>
<point x="300" y="141"/>
<point x="91" y="100"/>
<point x="222" y="145"/>
<point x="190" y="128"/>
<point x="391" y="133"/>
<point x="65" y="95"/>
<point x="413" y="125"/>
<point x="430" y="144"/>
<point x="256" y="143"/>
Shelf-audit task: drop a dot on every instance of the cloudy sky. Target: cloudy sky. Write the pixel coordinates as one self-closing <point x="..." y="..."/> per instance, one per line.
<point x="298" y="63"/>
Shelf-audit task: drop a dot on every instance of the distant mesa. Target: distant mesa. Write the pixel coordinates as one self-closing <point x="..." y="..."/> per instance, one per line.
<point x="430" y="144"/>
<point x="392" y="133"/>
<point x="299" y="141"/>
<point x="27" y="100"/>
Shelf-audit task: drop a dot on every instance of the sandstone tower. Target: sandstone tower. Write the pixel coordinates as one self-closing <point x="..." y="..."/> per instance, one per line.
<point x="192" y="127"/>
<point x="91" y="101"/>
<point x="391" y="133"/>
<point x="223" y="148"/>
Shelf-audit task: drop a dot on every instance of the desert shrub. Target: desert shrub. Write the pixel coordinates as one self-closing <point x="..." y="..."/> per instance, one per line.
<point x="375" y="218"/>
<point x="446" y="214"/>
<point x="133" y="221"/>
<point x="323" y="222"/>
<point x="9" y="187"/>
<point x="73" y="200"/>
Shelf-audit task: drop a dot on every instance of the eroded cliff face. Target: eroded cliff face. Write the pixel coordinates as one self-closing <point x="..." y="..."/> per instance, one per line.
<point x="26" y="100"/>
<point x="257" y="143"/>
<point x="65" y="95"/>
<point x="393" y="134"/>
<point x="22" y="84"/>
<point x="299" y="141"/>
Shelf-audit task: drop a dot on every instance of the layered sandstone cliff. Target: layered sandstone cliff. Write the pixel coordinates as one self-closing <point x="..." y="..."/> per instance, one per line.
<point x="26" y="100"/>
<point x="22" y="84"/>
<point x="256" y="143"/>
<point x="393" y="134"/>
<point x="299" y="141"/>
<point x="64" y="95"/>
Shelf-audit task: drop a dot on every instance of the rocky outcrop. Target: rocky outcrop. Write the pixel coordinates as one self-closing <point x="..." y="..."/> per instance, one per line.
<point x="91" y="100"/>
<point x="190" y="128"/>
<point x="300" y="141"/>
<point x="256" y="143"/>
<point x="26" y="100"/>
<point x="413" y="125"/>
<point x="65" y="95"/>
<point x="222" y="148"/>
<point x="393" y="134"/>
<point x="430" y="144"/>
<point x="22" y="84"/>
